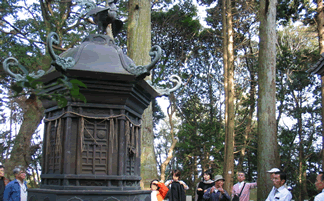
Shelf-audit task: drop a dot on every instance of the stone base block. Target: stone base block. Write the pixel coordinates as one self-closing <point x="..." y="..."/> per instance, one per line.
<point x="88" y="195"/>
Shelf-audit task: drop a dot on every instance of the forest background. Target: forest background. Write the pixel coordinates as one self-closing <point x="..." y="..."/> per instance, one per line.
<point x="191" y="135"/>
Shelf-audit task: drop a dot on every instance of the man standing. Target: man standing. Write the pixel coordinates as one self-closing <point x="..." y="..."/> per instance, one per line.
<point x="319" y="183"/>
<point x="16" y="190"/>
<point x="3" y="181"/>
<point x="217" y="193"/>
<point x="279" y="192"/>
<point x="272" y="172"/>
<point x="243" y="187"/>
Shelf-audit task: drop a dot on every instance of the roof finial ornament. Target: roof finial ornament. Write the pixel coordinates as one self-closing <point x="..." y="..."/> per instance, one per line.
<point x="103" y="16"/>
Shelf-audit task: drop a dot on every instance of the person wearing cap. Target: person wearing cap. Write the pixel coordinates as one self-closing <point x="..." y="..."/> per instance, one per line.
<point x="16" y="190"/>
<point x="319" y="183"/>
<point x="242" y="189"/>
<point x="279" y="192"/>
<point x="272" y="172"/>
<point x="217" y="193"/>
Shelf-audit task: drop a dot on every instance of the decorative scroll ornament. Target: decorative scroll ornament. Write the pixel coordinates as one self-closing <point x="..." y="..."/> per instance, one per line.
<point x="61" y="64"/>
<point x="166" y="92"/>
<point x="143" y="71"/>
<point x="11" y="61"/>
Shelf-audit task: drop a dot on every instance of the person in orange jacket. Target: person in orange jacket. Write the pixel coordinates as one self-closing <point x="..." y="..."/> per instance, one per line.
<point x="159" y="190"/>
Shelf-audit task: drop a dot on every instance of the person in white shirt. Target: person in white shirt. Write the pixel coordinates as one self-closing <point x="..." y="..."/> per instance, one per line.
<point x="319" y="183"/>
<point x="272" y="172"/>
<point x="16" y="190"/>
<point x="279" y="192"/>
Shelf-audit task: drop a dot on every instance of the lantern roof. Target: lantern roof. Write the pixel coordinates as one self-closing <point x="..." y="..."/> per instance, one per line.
<point x="99" y="53"/>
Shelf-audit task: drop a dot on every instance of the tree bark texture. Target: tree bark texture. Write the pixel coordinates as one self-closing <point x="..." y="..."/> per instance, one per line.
<point x="268" y="156"/>
<point x="302" y="180"/>
<point x="32" y="109"/>
<point x="320" y="29"/>
<point x="20" y="154"/>
<point x="228" y="171"/>
<point x="139" y="45"/>
<point x="225" y="67"/>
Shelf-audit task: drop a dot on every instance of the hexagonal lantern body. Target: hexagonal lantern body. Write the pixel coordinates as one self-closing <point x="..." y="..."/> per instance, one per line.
<point x="92" y="150"/>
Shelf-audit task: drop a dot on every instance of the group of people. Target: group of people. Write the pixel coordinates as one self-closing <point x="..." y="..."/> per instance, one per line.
<point x="173" y="189"/>
<point x="15" y="190"/>
<point x="212" y="190"/>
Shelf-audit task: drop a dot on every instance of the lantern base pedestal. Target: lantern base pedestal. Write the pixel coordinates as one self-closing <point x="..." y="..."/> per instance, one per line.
<point x="88" y="195"/>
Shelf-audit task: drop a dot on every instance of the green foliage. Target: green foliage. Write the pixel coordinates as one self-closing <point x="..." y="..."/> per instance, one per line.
<point x="201" y="140"/>
<point x="24" y="37"/>
<point x="175" y="31"/>
<point x="195" y="54"/>
<point x="35" y="86"/>
<point x="298" y="100"/>
<point x="296" y="10"/>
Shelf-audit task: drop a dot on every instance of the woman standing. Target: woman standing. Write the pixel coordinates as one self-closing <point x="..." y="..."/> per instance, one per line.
<point x="177" y="187"/>
<point x="204" y="185"/>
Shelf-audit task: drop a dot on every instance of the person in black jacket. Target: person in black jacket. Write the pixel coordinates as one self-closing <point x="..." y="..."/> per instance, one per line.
<point x="204" y="185"/>
<point x="177" y="187"/>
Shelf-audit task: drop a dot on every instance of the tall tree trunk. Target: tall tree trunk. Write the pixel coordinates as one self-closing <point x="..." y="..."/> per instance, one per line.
<point x="211" y="98"/>
<point x="268" y="156"/>
<point x="248" y="128"/>
<point x="33" y="114"/>
<point x="302" y="191"/>
<point x="139" y="45"/>
<point x="228" y="171"/>
<point x="320" y="29"/>
<point x="171" y="108"/>
<point x="225" y="68"/>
